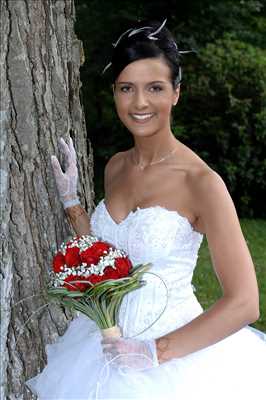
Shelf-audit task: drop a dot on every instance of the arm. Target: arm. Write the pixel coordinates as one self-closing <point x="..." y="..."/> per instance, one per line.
<point x="79" y="219"/>
<point x="239" y="304"/>
<point x="66" y="183"/>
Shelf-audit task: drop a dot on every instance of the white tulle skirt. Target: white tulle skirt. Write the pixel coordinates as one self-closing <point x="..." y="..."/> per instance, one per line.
<point x="234" y="368"/>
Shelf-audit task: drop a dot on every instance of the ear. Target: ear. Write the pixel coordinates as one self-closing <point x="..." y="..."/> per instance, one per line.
<point x="176" y="95"/>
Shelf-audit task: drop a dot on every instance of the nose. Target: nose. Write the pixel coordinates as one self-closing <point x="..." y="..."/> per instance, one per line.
<point x="140" y="100"/>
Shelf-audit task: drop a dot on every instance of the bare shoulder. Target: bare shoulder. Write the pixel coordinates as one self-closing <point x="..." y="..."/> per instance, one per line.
<point x="209" y="197"/>
<point x="212" y="201"/>
<point x="201" y="178"/>
<point x="204" y="181"/>
<point x="115" y="162"/>
<point x="114" y="165"/>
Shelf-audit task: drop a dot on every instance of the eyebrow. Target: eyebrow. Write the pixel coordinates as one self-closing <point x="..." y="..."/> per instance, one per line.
<point x="132" y="83"/>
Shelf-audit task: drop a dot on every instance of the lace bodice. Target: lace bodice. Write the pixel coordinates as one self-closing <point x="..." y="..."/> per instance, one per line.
<point x="168" y="241"/>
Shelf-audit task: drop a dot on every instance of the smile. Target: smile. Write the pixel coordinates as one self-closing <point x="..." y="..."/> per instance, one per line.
<point x="142" y="117"/>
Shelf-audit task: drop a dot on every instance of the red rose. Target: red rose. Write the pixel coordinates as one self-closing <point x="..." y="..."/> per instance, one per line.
<point x="123" y="266"/>
<point x="111" y="273"/>
<point x="72" y="257"/>
<point x="58" y="262"/>
<point x="88" y="256"/>
<point x="100" y="247"/>
<point x="93" y="253"/>
<point x="74" y="286"/>
<point x="94" y="278"/>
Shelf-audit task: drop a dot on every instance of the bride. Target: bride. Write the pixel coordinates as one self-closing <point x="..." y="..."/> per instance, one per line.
<point x="160" y="200"/>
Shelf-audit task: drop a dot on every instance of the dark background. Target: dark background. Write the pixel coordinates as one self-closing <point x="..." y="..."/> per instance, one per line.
<point x="221" y="114"/>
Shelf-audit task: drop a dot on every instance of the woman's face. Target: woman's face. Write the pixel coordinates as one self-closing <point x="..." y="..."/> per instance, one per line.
<point x="144" y="96"/>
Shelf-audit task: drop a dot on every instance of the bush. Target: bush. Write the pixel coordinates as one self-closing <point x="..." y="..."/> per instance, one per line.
<point x="222" y="116"/>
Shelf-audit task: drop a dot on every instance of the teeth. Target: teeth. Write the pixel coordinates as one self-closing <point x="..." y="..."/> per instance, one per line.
<point x="142" y="116"/>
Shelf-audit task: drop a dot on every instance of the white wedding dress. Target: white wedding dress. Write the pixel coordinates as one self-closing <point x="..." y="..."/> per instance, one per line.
<point x="232" y="369"/>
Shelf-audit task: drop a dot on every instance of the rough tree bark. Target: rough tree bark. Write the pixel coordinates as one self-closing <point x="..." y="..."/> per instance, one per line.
<point x="40" y="60"/>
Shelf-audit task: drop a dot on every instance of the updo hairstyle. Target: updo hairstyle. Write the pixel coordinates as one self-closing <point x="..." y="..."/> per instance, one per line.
<point x="133" y="46"/>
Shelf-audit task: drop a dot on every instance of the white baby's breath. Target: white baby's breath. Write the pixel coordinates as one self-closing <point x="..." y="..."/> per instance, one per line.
<point x="84" y="270"/>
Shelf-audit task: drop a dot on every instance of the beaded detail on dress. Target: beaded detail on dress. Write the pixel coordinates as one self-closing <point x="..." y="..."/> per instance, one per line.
<point x="147" y="233"/>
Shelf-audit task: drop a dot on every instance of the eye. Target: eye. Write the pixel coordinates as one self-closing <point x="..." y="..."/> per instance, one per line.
<point x="125" y="89"/>
<point x="156" y="88"/>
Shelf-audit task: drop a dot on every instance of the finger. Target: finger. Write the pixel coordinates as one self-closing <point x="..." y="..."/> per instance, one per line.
<point x="65" y="148"/>
<point x="58" y="173"/>
<point x="72" y="148"/>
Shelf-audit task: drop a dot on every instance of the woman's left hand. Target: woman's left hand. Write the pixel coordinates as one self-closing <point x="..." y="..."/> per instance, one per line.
<point x="131" y="353"/>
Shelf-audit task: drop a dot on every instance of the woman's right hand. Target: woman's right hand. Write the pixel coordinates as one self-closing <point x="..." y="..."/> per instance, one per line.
<point x="67" y="181"/>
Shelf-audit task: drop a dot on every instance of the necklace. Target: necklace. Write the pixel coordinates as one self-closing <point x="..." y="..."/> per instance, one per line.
<point x="141" y="166"/>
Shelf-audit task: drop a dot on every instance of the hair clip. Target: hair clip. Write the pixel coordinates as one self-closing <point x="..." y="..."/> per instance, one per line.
<point x="186" y="51"/>
<point x="180" y="74"/>
<point x="151" y="35"/>
<point x="183" y="51"/>
<point x="105" y="68"/>
<point x="138" y="30"/>
<point x="134" y="31"/>
<point x="120" y="37"/>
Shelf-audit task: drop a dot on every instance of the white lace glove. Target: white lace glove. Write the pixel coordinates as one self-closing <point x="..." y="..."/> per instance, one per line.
<point x="67" y="181"/>
<point x="130" y="353"/>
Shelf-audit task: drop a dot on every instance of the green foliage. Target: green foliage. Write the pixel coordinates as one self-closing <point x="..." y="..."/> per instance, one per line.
<point x="243" y="19"/>
<point x="222" y="111"/>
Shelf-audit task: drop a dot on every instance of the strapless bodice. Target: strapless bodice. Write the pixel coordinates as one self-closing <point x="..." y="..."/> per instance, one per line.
<point x="167" y="240"/>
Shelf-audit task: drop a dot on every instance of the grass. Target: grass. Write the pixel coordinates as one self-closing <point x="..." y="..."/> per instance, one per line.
<point x="204" y="279"/>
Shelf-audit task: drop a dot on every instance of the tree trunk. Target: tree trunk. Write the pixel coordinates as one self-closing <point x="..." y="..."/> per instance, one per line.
<point x="40" y="60"/>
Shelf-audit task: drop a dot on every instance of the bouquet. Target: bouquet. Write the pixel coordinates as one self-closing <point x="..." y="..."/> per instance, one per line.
<point x="92" y="276"/>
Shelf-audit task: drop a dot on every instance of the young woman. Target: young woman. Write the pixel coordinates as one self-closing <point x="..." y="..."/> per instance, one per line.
<point x="160" y="199"/>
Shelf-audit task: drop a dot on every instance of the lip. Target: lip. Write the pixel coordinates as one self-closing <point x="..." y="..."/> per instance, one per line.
<point x="142" y="121"/>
